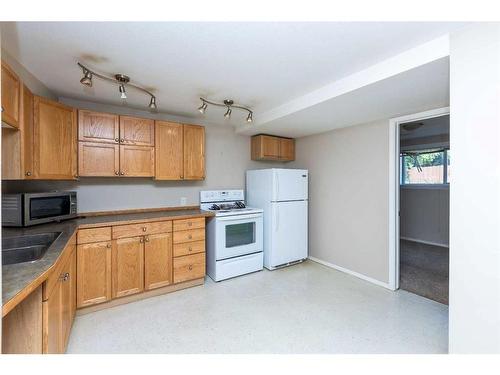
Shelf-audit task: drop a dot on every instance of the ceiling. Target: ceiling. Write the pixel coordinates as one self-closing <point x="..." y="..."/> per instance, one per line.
<point x="261" y="65"/>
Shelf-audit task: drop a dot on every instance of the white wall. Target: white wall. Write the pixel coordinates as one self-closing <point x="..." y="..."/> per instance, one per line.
<point x="425" y="214"/>
<point x="474" y="325"/>
<point x="348" y="195"/>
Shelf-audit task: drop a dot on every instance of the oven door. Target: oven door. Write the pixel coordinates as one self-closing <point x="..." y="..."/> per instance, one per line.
<point x="238" y="235"/>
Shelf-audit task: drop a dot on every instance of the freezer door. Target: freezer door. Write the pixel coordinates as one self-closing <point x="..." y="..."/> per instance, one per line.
<point x="289" y="184"/>
<point x="288" y="233"/>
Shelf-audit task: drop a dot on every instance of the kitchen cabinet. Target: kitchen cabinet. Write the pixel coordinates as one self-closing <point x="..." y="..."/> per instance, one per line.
<point x="127" y="266"/>
<point x="94" y="273"/>
<point x="60" y="306"/>
<point x="169" y="158"/>
<point x="157" y="260"/>
<point x="22" y="327"/>
<point x="267" y="147"/>
<point x="98" y="127"/>
<point x="54" y="140"/>
<point x="189" y="249"/>
<point x="137" y="131"/>
<point x="189" y="267"/>
<point x="98" y="159"/>
<point x="136" y="161"/>
<point x="194" y="152"/>
<point x="11" y="96"/>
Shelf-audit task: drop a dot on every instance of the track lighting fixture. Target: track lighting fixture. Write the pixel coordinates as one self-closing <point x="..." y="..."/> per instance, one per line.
<point x="120" y="79"/>
<point x="123" y="93"/>
<point x="87" y="78"/>
<point x="228" y="104"/>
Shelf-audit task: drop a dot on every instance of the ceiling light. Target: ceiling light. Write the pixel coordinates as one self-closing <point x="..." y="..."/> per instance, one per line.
<point x="152" y="103"/>
<point x="87" y="78"/>
<point x="118" y="79"/>
<point x="228" y="104"/>
<point x="203" y="108"/>
<point x="122" y="90"/>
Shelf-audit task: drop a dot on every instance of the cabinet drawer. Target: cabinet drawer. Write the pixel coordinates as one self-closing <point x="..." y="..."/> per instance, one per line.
<point x="189" y="248"/>
<point x="94" y="235"/>
<point x="189" y="235"/>
<point x="189" y="267"/>
<point x="188" y="224"/>
<point x="133" y="230"/>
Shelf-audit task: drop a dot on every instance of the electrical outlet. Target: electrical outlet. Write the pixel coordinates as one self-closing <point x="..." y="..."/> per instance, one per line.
<point x="183" y="201"/>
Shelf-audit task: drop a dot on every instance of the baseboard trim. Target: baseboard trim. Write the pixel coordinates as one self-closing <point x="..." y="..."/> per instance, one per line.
<point x="425" y="242"/>
<point x="140" y="296"/>
<point x="352" y="273"/>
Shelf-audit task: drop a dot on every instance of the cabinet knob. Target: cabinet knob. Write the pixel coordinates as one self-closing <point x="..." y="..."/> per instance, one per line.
<point x="144" y="229"/>
<point x="190" y="248"/>
<point x="108" y="245"/>
<point x="181" y="176"/>
<point x="190" y="267"/>
<point x="28" y="173"/>
<point x="146" y="239"/>
<point x="190" y="224"/>
<point x="141" y="240"/>
<point x="122" y="173"/>
<point x="122" y="140"/>
<point x="117" y="140"/>
<point x="117" y="173"/>
<point x="190" y="236"/>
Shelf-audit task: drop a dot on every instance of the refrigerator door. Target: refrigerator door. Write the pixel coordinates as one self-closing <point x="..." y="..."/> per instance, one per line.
<point x="288" y="233"/>
<point x="289" y="184"/>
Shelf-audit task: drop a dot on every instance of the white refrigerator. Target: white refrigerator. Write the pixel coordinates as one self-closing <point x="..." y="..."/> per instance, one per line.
<point x="283" y="195"/>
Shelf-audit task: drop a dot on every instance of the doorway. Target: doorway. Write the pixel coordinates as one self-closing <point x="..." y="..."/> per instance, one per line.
<point x="419" y="206"/>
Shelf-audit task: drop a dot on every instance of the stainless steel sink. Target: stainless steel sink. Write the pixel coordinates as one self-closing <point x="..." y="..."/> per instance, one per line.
<point x="26" y="248"/>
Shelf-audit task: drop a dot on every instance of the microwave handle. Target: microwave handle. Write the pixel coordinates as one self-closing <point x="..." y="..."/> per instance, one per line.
<point x="239" y="217"/>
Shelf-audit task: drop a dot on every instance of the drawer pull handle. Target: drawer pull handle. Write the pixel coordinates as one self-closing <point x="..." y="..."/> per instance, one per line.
<point x="147" y="239"/>
<point x="190" y="248"/>
<point x="108" y="245"/>
<point x="144" y="229"/>
<point x="117" y="140"/>
<point x="190" y="267"/>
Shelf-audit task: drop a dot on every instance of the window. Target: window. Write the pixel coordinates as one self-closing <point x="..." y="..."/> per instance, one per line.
<point x="427" y="167"/>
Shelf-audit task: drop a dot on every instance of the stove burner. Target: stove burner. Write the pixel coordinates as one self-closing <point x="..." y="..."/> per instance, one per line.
<point x="215" y="207"/>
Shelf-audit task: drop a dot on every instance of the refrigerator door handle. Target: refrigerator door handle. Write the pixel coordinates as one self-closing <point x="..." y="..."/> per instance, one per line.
<point x="277" y="219"/>
<point x="277" y="185"/>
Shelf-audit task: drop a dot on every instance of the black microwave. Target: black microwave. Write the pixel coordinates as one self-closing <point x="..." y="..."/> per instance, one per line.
<point x="26" y="209"/>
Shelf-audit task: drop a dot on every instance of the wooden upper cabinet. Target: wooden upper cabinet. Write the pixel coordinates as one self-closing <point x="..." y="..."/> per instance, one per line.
<point x="137" y="131"/>
<point x="169" y="151"/>
<point x="194" y="152"/>
<point x="94" y="273"/>
<point x="11" y="94"/>
<point x="98" y="127"/>
<point x="267" y="147"/>
<point x="54" y="140"/>
<point x="28" y="131"/>
<point x="98" y="159"/>
<point x="127" y="266"/>
<point x="136" y="161"/>
<point x="157" y="260"/>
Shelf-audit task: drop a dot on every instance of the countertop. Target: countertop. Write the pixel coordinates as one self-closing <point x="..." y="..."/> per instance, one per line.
<point x="17" y="277"/>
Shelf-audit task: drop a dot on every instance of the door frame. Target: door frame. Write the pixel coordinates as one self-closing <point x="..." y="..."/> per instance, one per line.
<point x="394" y="179"/>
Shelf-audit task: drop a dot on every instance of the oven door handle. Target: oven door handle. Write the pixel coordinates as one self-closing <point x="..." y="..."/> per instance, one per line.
<point x="239" y="217"/>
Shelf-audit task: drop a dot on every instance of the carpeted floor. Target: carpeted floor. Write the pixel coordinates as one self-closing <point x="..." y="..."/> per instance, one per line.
<point x="424" y="270"/>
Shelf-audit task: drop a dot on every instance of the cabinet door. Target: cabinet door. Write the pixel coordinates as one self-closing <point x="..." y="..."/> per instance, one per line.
<point x="136" y="161"/>
<point x="55" y="153"/>
<point x="94" y="273"/>
<point x="168" y="151"/>
<point x="189" y="267"/>
<point x="98" y="127"/>
<point x="137" y="131"/>
<point x="127" y="266"/>
<point x="270" y="147"/>
<point x="98" y="159"/>
<point x="157" y="260"/>
<point x="11" y="88"/>
<point x="287" y="149"/>
<point x="52" y="321"/>
<point x="68" y="297"/>
<point x="194" y="152"/>
<point x="28" y="132"/>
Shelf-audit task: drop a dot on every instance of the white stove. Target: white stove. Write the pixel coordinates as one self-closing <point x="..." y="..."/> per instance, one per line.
<point x="234" y="236"/>
<point x="225" y="202"/>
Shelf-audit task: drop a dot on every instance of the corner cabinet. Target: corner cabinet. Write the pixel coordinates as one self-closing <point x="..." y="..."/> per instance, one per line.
<point x="268" y="147"/>
<point x="54" y="140"/>
<point x="179" y="151"/>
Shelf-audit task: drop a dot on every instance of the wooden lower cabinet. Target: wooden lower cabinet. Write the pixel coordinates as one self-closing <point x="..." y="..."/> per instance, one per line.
<point x="59" y="309"/>
<point x="157" y="260"/>
<point x="127" y="268"/>
<point x="94" y="272"/>
<point x="189" y="267"/>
